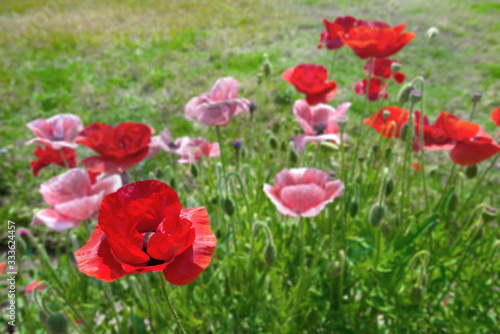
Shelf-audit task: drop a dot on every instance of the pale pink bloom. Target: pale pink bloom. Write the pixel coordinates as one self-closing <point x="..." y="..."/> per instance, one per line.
<point x="73" y="198"/>
<point x="302" y="191"/>
<point x="218" y="106"/>
<point x="31" y="287"/>
<point x="58" y="131"/>
<point x="320" y="119"/>
<point x="192" y="149"/>
<point x="166" y="143"/>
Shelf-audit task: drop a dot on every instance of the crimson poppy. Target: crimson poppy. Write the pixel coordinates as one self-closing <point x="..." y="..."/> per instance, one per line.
<point x="435" y="136"/>
<point x="330" y="37"/>
<point x="399" y="77"/>
<point x="142" y="227"/>
<point x="310" y="79"/>
<point x="376" y="41"/>
<point x="376" y="90"/>
<point x="119" y="148"/>
<point x="388" y="121"/>
<point x="47" y="156"/>
<point x="474" y="150"/>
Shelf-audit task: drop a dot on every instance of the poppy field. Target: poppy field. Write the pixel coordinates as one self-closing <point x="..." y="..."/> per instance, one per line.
<point x="228" y="166"/>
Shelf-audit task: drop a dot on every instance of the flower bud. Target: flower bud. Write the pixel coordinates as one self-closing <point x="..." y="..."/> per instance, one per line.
<point x="471" y="171"/>
<point x="489" y="213"/>
<point x="237" y="144"/>
<point x="396" y="67"/>
<point x="292" y="155"/>
<point x="267" y="67"/>
<point x="404" y="132"/>
<point x="273" y="142"/>
<point x="404" y="93"/>
<point x="353" y="208"/>
<point x="417" y="294"/>
<point x="328" y="147"/>
<point x="385" y="114"/>
<point x="270" y="254"/>
<point x="228" y="206"/>
<point x="194" y="169"/>
<point x="389" y="187"/>
<point x="57" y="324"/>
<point x="377" y="214"/>
<point x="252" y="107"/>
<point x="415" y="95"/>
<point x="476" y="96"/>
<point x="334" y="269"/>
<point x="432" y="32"/>
<point x="452" y="202"/>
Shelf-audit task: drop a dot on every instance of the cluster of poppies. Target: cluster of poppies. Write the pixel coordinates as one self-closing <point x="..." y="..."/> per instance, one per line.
<point x="467" y="142"/>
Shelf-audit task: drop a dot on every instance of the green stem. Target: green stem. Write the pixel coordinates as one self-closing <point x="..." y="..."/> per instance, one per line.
<point x="422" y="155"/>
<point x="222" y="160"/>
<point x="472" y="112"/>
<point x="171" y="307"/>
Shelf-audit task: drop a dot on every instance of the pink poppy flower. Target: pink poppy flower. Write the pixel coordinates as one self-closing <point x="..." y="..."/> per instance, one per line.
<point x="218" y="106"/>
<point x="57" y="132"/>
<point x="192" y="149"/>
<point x="73" y="198"/>
<point x="31" y="287"/>
<point x="302" y="191"/>
<point x="319" y="119"/>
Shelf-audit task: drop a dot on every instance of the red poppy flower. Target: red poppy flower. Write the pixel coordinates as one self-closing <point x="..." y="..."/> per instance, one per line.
<point x="474" y="150"/>
<point x="381" y="67"/>
<point x="331" y="35"/>
<point x="143" y="228"/>
<point x="399" y="77"/>
<point x="395" y="119"/>
<point x="495" y="117"/>
<point x="119" y="148"/>
<point x="310" y="79"/>
<point x="376" y="41"/>
<point x="47" y="156"/>
<point x="376" y="90"/>
<point x="435" y="136"/>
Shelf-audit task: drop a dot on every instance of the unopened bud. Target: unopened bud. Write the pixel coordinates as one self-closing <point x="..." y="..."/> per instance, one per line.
<point x="452" y="202"/>
<point x="404" y="132"/>
<point x="292" y="155"/>
<point x="273" y="142"/>
<point x="471" y="171"/>
<point x="385" y="114"/>
<point x="415" y="95"/>
<point x="194" y="169"/>
<point x="417" y="294"/>
<point x="396" y="67"/>
<point x="353" y="208"/>
<point x="377" y="214"/>
<point x="389" y="187"/>
<point x="328" y="147"/>
<point x="489" y="213"/>
<point x="404" y="93"/>
<point x="267" y="67"/>
<point x="476" y="96"/>
<point x="228" y="206"/>
<point x="432" y="32"/>
<point x="252" y="107"/>
<point x="270" y="254"/>
<point x="57" y="324"/>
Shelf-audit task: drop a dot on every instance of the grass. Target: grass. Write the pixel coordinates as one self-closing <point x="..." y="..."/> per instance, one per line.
<point x="115" y="61"/>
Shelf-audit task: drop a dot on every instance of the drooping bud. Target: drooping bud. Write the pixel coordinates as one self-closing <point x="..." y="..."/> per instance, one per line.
<point x="57" y="324"/>
<point x="389" y="187"/>
<point x="417" y="294"/>
<point x="194" y="169"/>
<point x="452" y="202"/>
<point x="415" y="95"/>
<point x="270" y="254"/>
<point x="228" y="206"/>
<point x="404" y="93"/>
<point x="377" y="214"/>
<point x="471" y="171"/>
<point x="396" y="67"/>
<point x="353" y="208"/>
<point x="476" y="96"/>
<point x="432" y="32"/>
<point x="489" y="213"/>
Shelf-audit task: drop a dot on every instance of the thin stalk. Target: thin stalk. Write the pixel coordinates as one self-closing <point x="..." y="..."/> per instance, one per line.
<point x="64" y="159"/>
<point x="170" y="306"/>
<point x="222" y="160"/>
<point x="422" y="155"/>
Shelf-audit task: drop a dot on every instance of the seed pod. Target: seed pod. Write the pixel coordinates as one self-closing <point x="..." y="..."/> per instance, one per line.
<point x="432" y="32"/>
<point x="417" y="294"/>
<point x="404" y="93"/>
<point x="471" y="171"/>
<point x="228" y="206"/>
<point x="194" y="169"/>
<point x="415" y="95"/>
<point x="57" y="324"/>
<point x="353" y="208"/>
<point x="270" y="254"/>
<point x="389" y="187"/>
<point x="396" y="67"/>
<point x="477" y="96"/>
<point x="377" y="214"/>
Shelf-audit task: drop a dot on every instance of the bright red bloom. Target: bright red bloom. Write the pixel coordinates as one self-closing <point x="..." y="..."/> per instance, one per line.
<point x="435" y="136"/>
<point x="376" y="90"/>
<point x="376" y="41"/>
<point x="474" y="150"/>
<point x="381" y="67"/>
<point x="119" y="148"/>
<point x="417" y="166"/>
<point x="310" y="79"/>
<point x="396" y="118"/>
<point x="495" y="117"/>
<point x="143" y="228"/>
<point x="399" y="77"/>
<point x="331" y="35"/>
<point x="2" y="268"/>
<point x="47" y="156"/>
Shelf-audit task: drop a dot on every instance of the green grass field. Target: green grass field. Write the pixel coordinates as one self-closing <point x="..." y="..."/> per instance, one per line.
<point x="118" y="61"/>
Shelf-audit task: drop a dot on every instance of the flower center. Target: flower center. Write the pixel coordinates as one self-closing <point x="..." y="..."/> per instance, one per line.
<point x="152" y="261"/>
<point x="319" y="128"/>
